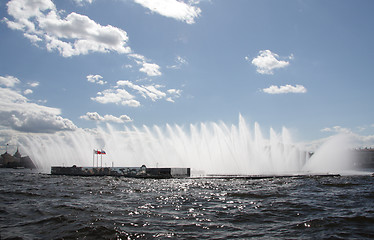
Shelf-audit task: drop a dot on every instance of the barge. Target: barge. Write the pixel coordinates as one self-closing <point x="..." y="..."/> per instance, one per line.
<point x="132" y="172"/>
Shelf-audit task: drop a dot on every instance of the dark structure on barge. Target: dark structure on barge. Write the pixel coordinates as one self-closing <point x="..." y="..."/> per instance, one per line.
<point x="133" y="172"/>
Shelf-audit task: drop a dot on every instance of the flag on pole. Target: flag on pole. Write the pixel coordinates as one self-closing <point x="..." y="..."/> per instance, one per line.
<point x="99" y="152"/>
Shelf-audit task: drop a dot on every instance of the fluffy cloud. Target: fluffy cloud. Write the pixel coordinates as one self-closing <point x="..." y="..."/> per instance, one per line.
<point x="174" y="93"/>
<point x="125" y="91"/>
<point x="151" y="91"/>
<point x="40" y="123"/>
<point x="117" y="96"/>
<point x="33" y="84"/>
<point x="94" y="116"/>
<point x="18" y="113"/>
<point x="9" y="81"/>
<point x="96" y="79"/>
<point x="285" y="89"/>
<point x="82" y="2"/>
<point x="172" y="8"/>
<point x="28" y="91"/>
<point x="151" y="69"/>
<point x="75" y="34"/>
<point x="267" y="61"/>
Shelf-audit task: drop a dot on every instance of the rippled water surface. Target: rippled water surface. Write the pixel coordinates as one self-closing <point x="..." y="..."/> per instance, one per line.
<point x="38" y="206"/>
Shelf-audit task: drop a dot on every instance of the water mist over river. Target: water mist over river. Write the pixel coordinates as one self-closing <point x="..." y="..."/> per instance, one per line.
<point x="207" y="148"/>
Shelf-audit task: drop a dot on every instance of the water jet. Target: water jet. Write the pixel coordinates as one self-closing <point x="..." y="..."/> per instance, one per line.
<point x="206" y="148"/>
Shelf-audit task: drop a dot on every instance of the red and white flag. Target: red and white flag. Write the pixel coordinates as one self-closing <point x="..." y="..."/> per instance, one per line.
<point x="99" y="152"/>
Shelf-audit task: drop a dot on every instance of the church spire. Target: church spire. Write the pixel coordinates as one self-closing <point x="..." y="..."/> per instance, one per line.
<point x="17" y="154"/>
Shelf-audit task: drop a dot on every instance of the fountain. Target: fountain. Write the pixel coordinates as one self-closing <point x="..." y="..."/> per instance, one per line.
<point x="206" y="148"/>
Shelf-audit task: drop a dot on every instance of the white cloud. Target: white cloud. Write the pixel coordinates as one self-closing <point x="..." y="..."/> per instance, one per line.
<point x="117" y="96"/>
<point x="285" y="89"/>
<point x="27" y="91"/>
<point x="94" y="116"/>
<point x="96" y="79"/>
<point x="9" y="81"/>
<point x="172" y="8"/>
<point x="82" y="2"/>
<point x="32" y="37"/>
<point x="174" y="93"/>
<point x="75" y="34"/>
<point x="366" y="141"/>
<point x="121" y="96"/>
<point x="33" y="84"/>
<point x="152" y="92"/>
<point x="357" y="140"/>
<point x="137" y="56"/>
<point x="151" y="69"/>
<point x="18" y="113"/>
<point x="337" y="129"/>
<point x="267" y="61"/>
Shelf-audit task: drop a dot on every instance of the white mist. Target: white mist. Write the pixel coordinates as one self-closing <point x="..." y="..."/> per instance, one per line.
<point x="207" y="148"/>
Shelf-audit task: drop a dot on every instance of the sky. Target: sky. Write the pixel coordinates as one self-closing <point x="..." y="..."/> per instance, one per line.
<point x="306" y="65"/>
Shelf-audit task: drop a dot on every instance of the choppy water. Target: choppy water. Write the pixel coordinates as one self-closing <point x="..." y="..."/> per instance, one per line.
<point x="38" y="206"/>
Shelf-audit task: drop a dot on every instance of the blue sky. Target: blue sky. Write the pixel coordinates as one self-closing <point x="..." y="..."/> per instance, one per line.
<point x="305" y="65"/>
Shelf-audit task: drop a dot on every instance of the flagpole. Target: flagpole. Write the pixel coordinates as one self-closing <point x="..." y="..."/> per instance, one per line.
<point x="93" y="158"/>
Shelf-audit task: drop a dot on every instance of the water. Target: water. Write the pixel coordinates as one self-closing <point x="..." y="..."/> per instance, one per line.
<point x="206" y="148"/>
<point x="40" y="206"/>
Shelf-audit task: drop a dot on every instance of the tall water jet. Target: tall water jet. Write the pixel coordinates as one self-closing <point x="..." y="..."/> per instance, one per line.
<point x="207" y="148"/>
<point x="335" y="155"/>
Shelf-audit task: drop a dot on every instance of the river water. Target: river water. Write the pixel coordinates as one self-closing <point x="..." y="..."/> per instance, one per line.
<point x="41" y="206"/>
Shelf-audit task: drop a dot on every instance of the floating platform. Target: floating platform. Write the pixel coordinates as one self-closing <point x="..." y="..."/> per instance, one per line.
<point x="133" y="172"/>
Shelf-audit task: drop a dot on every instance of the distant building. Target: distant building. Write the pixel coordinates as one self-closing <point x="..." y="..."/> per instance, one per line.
<point x="16" y="161"/>
<point x="364" y="158"/>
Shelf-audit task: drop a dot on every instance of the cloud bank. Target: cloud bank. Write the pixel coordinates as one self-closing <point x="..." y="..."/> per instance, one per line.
<point x="19" y="113"/>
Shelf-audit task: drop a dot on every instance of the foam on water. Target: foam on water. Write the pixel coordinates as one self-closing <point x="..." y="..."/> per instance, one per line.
<point x="207" y="148"/>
